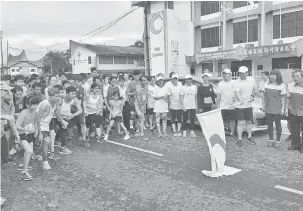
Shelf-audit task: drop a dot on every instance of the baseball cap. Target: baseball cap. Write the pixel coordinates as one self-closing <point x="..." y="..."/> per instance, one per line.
<point x="175" y="76"/>
<point x="243" y="69"/>
<point x="227" y="71"/>
<point x="5" y="86"/>
<point x="206" y="74"/>
<point x="159" y="78"/>
<point x="188" y="76"/>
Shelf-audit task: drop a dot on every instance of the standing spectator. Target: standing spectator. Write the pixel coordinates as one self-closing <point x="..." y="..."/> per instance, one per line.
<point x="244" y="112"/>
<point x="126" y="78"/>
<point x="140" y="103"/>
<point x="273" y="99"/>
<point x="189" y="104"/>
<point x="175" y="104"/>
<point x="126" y="109"/>
<point x="265" y="80"/>
<point x="294" y="108"/>
<point x="94" y="72"/>
<point x="7" y="121"/>
<point x="161" y="105"/>
<point x="206" y="96"/>
<point x="93" y="110"/>
<point x="227" y="91"/>
<point x="151" y="102"/>
<point x="19" y="80"/>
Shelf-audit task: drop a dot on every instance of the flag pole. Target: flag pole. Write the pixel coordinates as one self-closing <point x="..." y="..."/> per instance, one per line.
<point x="220" y="23"/>
<point x="226" y="107"/>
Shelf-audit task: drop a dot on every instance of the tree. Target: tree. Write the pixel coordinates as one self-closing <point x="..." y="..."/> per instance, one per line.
<point x="56" y="61"/>
<point x="138" y="44"/>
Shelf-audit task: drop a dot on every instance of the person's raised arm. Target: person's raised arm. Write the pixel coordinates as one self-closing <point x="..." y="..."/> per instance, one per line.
<point x="19" y="121"/>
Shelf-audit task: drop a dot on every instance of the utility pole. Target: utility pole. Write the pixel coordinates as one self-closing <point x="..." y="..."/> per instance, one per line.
<point x="146" y="39"/>
<point x="1" y="54"/>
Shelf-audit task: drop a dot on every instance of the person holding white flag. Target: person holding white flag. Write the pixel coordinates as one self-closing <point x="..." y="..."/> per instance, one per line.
<point x="244" y="112"/>
<point x="226" y="96"/>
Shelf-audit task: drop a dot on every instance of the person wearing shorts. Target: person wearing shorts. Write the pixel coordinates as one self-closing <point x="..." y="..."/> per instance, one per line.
<point x="27" y="127"/>
<point x="116" y="109"/>
<point x="45" y="112"/>
<point x="93" y="110"/>
<point x="174" y="93"/>
<point x="161" y="106"/>
<point x="226" y="94"/>
<point x="244" y="112"/>
<point x="151" y="102"/>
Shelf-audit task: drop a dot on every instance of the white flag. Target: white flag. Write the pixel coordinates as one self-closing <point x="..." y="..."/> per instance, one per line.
<point x="213" y="129"/>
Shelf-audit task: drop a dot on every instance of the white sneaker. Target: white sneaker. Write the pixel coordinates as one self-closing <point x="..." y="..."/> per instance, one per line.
<point x="192" y="133"/>
<point x="46" y="166"/>
<point x="175" y="134"/>
<point x="184" y="133"/>
<point x="105" y="137"/>
<point x="126" y="137"/>
<point x="65" y="151"/>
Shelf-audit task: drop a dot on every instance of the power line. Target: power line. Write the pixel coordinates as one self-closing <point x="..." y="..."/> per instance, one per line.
<point x="103" y="28"/>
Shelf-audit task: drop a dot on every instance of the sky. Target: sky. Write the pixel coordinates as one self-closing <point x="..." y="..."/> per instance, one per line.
<point x="27" y="25"/>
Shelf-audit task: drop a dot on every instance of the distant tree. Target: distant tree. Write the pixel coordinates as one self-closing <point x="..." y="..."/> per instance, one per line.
<point x="56" y="60"/>
<point x="138" y="44"/>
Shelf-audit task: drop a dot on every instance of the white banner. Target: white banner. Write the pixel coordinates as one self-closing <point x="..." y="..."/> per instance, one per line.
<point x="157" y="42"/>
<point x="213" y="129"/>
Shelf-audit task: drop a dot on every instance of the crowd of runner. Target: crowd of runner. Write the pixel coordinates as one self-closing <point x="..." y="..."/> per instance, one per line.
<point x="39" y="113"/>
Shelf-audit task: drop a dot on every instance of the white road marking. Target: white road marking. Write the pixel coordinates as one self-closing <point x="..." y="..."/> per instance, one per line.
<point x="289" y="189"/>
<point x="136" y="148"/>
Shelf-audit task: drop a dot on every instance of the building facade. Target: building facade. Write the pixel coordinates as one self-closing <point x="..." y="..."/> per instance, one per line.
<point x="261" y="35"/>
<point x="20" y="65"/>
<point x="107" y="59"/>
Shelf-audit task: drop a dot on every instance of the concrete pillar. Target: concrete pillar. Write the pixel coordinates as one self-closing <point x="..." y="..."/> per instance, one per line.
<point x="301" y="62"/>
<point x="263" y="17"/>
<point x="197" y="17"/>
<point x="259" y="30"/>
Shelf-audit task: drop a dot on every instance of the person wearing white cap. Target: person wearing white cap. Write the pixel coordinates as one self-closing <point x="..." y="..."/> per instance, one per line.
<point x="161" y="105"/>
<point x="170" y="83"/>
<point x="244" y="112"/>
<point x="226" y="95"/>
<point x="189" y="104"/>
<point x="175" y="105"/>
<point x="206" y="96"/>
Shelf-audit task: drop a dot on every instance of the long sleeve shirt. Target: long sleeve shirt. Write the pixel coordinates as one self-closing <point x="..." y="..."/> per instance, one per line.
<point x="206" y="96"/>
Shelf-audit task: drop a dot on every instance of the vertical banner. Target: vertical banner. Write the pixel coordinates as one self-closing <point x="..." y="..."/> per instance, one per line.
<point x="213" y="129"/>
<point x="157" y="42"/>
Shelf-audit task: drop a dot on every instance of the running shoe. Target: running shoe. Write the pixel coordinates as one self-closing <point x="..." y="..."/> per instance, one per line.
<point x="105" y="137"/>
<point x="26" y="176"/>
<point x="184" y="133"/>
<point x="52" y="156"/>
<point x="126" y="137"/>
<point x="179" y="134"/>
<point x="99" y="139"/>
<point x="270" y="143"/>
<point x="175" y="134"/>
<point x="251" y="141"/>
<point x="37" y="157"/>
<point x="277" y="144"/>
<point x="20" y="167"/>
<point x="192" y="133"/>
<point x="57" y="144"/>
<point x="46" y="166"/>
<point x="239" y="143"/>
<point x="65" y="151"/>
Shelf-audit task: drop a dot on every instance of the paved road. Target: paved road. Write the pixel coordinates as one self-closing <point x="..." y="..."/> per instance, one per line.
<point x="110" y="177"/>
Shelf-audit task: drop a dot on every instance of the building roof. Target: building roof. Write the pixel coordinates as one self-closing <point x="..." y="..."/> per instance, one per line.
<point x="111" y="50"/>
<point x="12" y="60"/>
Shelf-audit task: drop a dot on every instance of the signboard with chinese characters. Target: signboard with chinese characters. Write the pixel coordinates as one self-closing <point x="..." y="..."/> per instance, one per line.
<point x="237" y="53"/>
<point x="270" y="50"/>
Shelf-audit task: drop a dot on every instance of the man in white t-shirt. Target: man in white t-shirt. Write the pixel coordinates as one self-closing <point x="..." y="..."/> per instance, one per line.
<point x="244" y="112"/>
<point x="226" y="95"/>
<point x="174" y="93"/>
<point x="189" y="104"/>
<point x="161" y="105"/>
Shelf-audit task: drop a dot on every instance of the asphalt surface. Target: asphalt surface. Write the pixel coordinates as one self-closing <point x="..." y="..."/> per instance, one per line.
<point x="111" y="177"/>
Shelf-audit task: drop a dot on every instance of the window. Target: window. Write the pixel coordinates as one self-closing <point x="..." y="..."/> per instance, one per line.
<point x="286" y="63"/>
<point x="131" y="59"/>
<point x="170" y="5"/>
<point x="291" y="25"/>
<point x="237" y="4"/>
<point x="89" y="60"/>
<point x="240" y="31"/>
<point x="120" y="60"/>
<point x="141" y="58"/>
<point x="209" y="7"/>
<point x="105" y="59"/>
<point x="208" y="66"/>
<point x="13" y="70"/>
<point x="32" y="70"/>
<point x="210" y="37"/>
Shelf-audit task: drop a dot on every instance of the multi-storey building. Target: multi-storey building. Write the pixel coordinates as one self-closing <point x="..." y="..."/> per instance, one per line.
<point x="261" y="35"/>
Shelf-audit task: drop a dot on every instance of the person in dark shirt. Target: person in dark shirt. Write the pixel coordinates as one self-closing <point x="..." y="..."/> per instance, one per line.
<point x="37" y="91"/>
<point x="18" y="99"/>
<point x="206" y="95"/>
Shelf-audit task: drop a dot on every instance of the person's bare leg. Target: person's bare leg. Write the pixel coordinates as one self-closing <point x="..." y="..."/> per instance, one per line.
<point x="240" y="127"/>
<point x="232" y="126"/>
<point x="249" y="128"/>
<point x="158" y="117"/>
<point x="164" y="123"/>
